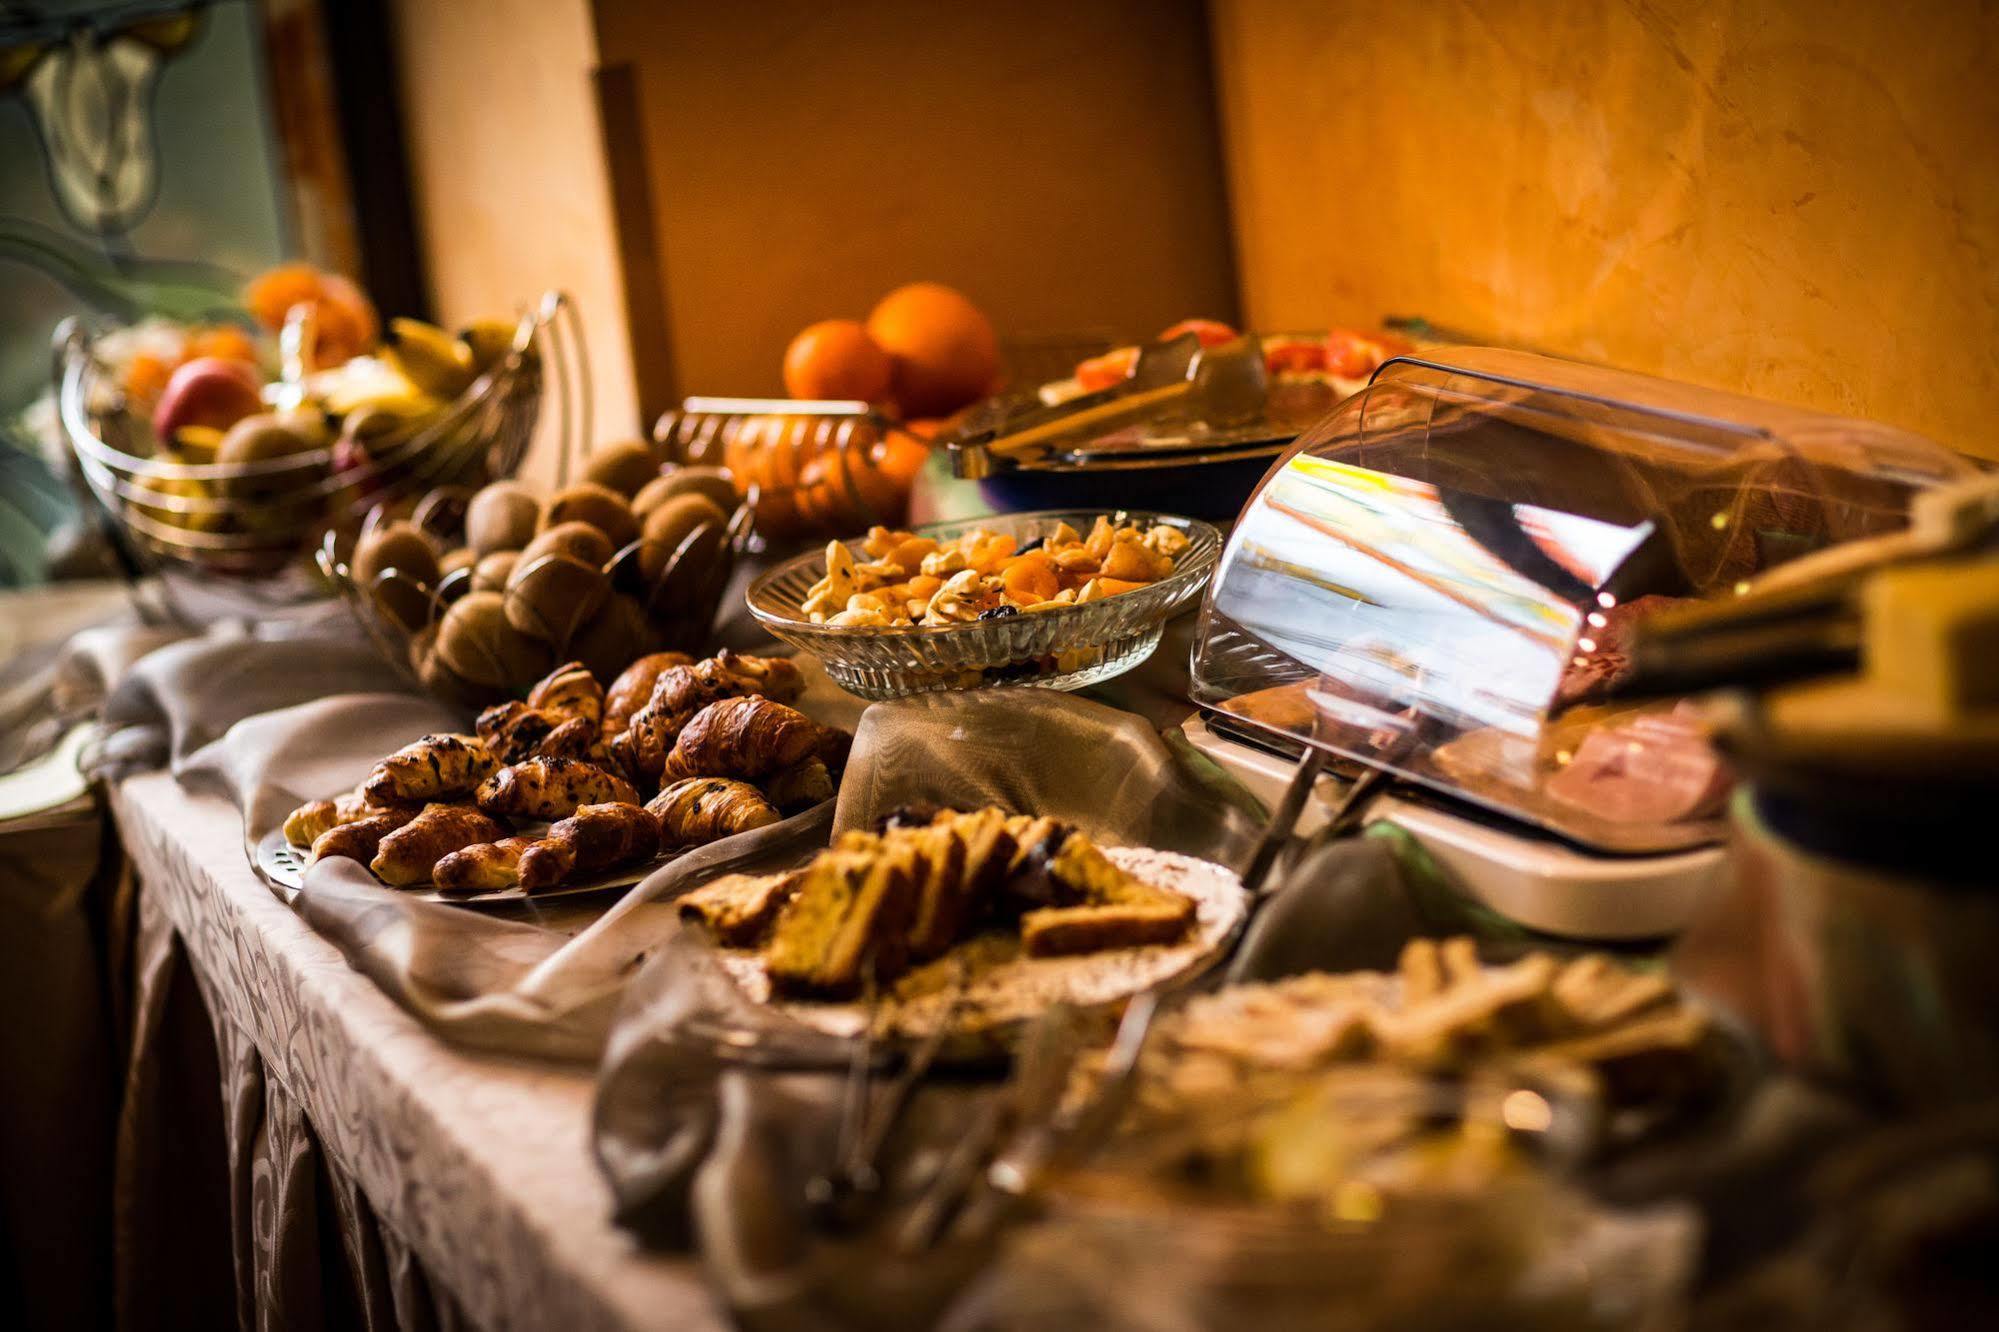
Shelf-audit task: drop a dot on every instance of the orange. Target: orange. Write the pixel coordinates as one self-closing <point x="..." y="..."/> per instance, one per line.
<point x="835" y="358"/>
<point x="344" y="316"/>
<point x="271" y="294"/>
<point x="944" y="351"/>
<point x="224" y="340"/>
<point x="1101" y="372"/>
<point x="1211" y="332"/>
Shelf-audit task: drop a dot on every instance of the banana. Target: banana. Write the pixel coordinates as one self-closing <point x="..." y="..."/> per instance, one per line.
<point x="488" y="341"/>
<point x="370" y="381"/>
<point x="429" y="358"/>
<point x="196" y="444"/>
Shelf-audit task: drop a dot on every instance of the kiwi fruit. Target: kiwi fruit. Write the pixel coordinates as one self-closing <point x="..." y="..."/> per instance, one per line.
<point x="502" y="516"/>
<point x="401" y="547"/>
<point x="669" y="525"/>
<point x="710" y="481"/>
<point x="490" y="574"/>
<point x="453" y="560"/>
<point x="625" y="468"/>
<point x="265" y="438"/>
<point x="620" y="634"/>
<point x="579" y="541"/>
<point x="600" y="506"/>
<point x="551" y="597"/>
<point x="476" y="642"/>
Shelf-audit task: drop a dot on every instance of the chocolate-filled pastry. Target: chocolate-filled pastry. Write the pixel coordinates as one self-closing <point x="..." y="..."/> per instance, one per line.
<point x="681" y="692"/>
<point x="633" y="687"/>
<point x="552" y="788"/>
<point x="697" y="810"/>
<point x="570" y="693"/>
<point x="513" y="732"/>
<point x="603" y="837"/>
<point x="437" y="767"/>
<point x="801" y="786"/>
<point x="362" y="838"/>
<point x="407" y="855"/>
<point x="746" y="738"/>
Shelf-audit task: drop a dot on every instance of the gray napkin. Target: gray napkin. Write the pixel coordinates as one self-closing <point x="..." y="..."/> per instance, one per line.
<point x="182" y="696"/>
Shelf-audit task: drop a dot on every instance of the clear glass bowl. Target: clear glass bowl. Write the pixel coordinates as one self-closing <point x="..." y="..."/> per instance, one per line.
<point x="1063" y="649"/>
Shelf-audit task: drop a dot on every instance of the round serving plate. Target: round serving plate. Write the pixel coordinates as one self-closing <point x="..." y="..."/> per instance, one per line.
<point x="283" y="866"/>
<point x="1062" y="649"/>
<point x="1005" y="989"/>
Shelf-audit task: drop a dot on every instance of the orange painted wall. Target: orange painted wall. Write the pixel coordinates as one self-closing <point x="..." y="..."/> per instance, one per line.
<point x="1059" y="162"/>
<point x="1794" y="198"/>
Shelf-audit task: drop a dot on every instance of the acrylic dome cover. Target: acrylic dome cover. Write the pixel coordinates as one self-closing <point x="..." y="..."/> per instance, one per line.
<point x="1439" y="577"/>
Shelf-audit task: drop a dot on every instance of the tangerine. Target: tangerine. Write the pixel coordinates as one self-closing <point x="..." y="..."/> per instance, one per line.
<point x="835" y="358"/>
<point x="943" y="349"/>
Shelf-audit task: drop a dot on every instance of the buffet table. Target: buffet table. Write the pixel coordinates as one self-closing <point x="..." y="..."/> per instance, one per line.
<point x="370" y="1168"/>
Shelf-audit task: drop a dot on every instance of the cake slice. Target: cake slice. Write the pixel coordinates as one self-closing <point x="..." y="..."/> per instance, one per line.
<point x="1114" y="910"/>
<point x="852" y="910"/>
<point x="739" y="908"/>
<point x="941" y="900"/>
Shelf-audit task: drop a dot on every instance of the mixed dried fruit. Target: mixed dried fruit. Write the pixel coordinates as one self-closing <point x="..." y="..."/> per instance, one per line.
<point x="910" y="581"/>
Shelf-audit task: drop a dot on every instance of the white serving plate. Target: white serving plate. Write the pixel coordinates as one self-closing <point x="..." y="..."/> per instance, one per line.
<point x="1542" y="883"/>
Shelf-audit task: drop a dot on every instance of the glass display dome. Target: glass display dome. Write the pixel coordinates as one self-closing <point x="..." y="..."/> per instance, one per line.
<point x="1440" y="578"/>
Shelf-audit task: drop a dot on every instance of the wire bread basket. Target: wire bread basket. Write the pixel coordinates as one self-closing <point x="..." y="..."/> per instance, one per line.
<point x="804" y="468"/>
<point x="242" y="534"/>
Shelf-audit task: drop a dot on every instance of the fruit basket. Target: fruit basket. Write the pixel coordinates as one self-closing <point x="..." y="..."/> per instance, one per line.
<point x="803" y="467"/>
<point x="1063" y="648"/>
<point x="474" y="633"/>
<point x="239" y="531"/>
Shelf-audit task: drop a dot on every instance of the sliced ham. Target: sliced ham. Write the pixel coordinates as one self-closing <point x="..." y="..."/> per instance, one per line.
<point x="1657" y="768"/>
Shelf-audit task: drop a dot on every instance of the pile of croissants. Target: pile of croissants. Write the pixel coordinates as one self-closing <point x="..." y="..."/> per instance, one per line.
<point x="714" y="742"/>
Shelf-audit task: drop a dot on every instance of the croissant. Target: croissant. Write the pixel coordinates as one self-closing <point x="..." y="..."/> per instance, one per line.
<point x="796" y="787"/>
<point x="407" y="855"/>
<point x="513" y="731"/>
<point x="489" y="867"/>
<point x="681" y="692"/>
<point x="601" y="837"/>
<point x="629" y="692"/>
<point x="569" y="693"/>
<point x="304" y="825"/>
<point x="699" y="810"/>
<point x="437" y="767"/>
<point x="552" y="788"/>
<point x="745" y="738"/>
<point x="360" y="839"/>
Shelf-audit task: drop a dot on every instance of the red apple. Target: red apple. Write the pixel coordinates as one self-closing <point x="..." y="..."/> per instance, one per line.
<point x="207" y="391"/>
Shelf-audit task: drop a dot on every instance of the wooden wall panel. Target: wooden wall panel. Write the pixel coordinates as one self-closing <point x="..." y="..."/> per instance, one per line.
<point x="1059" y="162"/>
<point x="1794" y="198"/>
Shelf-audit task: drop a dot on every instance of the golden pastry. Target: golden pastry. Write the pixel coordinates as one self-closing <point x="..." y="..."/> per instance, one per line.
<point x="407" y="855"/>
<point x="746" y="738"/>
<point x="633" y="687"/>
<point x="697" y="810"/>
<point x="552" y="788"/>
<point x="570" y="693"/>
<point x="362" y="838"/>
<point x="437" y="767"/>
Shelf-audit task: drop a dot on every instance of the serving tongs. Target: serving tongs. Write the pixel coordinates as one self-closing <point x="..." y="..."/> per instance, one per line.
<point x="1803" y="619"/>
<point x="1223" y="384"/>
<point x="972" y="1196"/>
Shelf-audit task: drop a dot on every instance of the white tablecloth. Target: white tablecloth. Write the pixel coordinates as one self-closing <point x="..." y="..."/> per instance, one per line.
<point x="479" y="1165"/>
